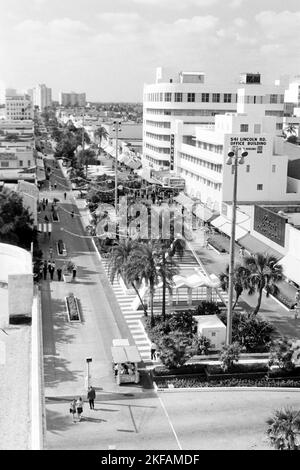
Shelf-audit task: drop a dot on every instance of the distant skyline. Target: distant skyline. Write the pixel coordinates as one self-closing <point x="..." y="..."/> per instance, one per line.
<point x="109" y="49"/>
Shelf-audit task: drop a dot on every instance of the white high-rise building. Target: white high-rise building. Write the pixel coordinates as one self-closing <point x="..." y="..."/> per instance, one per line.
<point x="191" y="100"/>
<point x="201" y="155"/>
<point x="42" y="96"/>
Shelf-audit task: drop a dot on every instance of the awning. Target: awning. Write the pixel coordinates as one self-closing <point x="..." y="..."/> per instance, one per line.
<point x="291" y="268"/>
<point x="224" y="225"/>
<point x="194" y="281"/>
<point x="253" y="245"/>
<point x="203" y="213"/>
<point x="123" y="354"/>
<point x="184" y="200"/>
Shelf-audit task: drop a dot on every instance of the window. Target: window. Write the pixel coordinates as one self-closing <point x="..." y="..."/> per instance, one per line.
<point x="247" y="168"/>
<point x="273" y="168"/>
<point x="216" y="97"/>
<point x="191" y="97"/>
<point x="178" y="97"/>
<point x="168" y="96"/>
<point x="205" y="97"/>
<point x="21" y="163"/>
<point x="4" y="164"/>
<point x="28" y="162"/>
<point x="273" y="99"/>
<point x="257" y="128"/>
<point x="213" y="333"/>
<point x="260" y="187"/>
<point x="244" y="128"/>
<point x="227" y="97"/>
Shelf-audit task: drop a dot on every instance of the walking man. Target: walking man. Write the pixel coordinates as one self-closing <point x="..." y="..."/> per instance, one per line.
<point x="59" y="271"/>
<point x="91" y="396"/>
<point x="72" y="214"/>
<point x="65" y="196"/>
<point x="45" y="269"/>
<point x="73" y="409"/>
<point x="74" y="271"/>
<point x="79" y="407"/>
<point x="55" y="185"/>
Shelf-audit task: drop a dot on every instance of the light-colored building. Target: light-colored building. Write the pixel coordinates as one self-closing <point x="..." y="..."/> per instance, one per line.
<point x="72" y="99"/>
<point x="201" y="154"/>
<point x="18" y="107"/>
<point x="193" y="101"/>
<point x="42" y="96"/>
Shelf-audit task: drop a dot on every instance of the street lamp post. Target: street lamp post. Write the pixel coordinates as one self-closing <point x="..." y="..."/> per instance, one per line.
<point x="82" y="144"/>
<point x="117" y="129"/>
<point x="235" y="160"/>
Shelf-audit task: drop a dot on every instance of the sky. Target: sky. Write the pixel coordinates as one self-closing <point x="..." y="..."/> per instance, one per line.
<point x="110" y="48"/>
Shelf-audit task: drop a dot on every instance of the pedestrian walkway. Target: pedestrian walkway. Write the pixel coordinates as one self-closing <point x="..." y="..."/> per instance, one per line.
<point x="132" y="316"/>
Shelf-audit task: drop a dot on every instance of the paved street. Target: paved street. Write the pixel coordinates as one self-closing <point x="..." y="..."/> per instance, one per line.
<point x="125" y="416"/>
<point x="224" y="420"/>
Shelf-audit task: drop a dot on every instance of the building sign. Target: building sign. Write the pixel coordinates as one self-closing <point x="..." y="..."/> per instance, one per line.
<point x="172" y="152"/>
<point x="249" y="143"/>
<point x="269" y="224"/>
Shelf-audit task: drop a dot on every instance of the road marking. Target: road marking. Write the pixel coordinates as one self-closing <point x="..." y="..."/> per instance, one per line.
<point x="170" y="422"/>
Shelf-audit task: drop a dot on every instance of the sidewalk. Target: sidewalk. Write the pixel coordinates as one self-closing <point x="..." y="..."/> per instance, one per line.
<point x="271" y="310"/>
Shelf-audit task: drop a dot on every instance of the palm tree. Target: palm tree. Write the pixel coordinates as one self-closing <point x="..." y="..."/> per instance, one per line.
<point x="264" y="273"/>
<point x="101" y="133"/>
<point x="284" y="429"/>
<point x="169" y="249"/>
<point x="240" y="281"/>
<point x="143" y="265"/>
<point x="291" y="129"/>
<point x="119" y="257"/>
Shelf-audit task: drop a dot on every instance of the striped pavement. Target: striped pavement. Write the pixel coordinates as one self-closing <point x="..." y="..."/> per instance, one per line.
<point x="132" y="317"/>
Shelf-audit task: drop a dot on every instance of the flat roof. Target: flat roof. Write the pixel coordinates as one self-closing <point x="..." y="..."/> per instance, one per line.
<point x="122" y="354"/>
<point x="209" y="321"/>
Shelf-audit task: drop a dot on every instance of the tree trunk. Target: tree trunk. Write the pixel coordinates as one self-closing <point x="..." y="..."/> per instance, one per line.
<point x="164" y="300"/>
<point x="151" y="305"/>
<point x="138" y="294"/>
<point x="256" y="310"/>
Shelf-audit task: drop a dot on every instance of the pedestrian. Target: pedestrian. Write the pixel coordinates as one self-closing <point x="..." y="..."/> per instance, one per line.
<point x="59" y="271"/>
<point x="51" y="270"/>
<point x="74" y="271"/>
<point x="91" y="397"/>
<point x="44" y="206"/>
<point x="153" y="351"/>
<point x="73" y="409"/>
<point x="65" y="196"/>
<point x="46" y="202"/>
<point x="242" y="252"/>
<point x="79" y="407"/>
<point x="50" y="252"/>
<point x="72" y="214"/>
<point x="45" y="269"/>
<point x="52" y="208"/>
<point x="55" y="185"/>
<point x="46" y="219"/>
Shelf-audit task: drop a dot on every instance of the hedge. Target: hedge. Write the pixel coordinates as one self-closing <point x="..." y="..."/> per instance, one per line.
<point x="234" y="382"/>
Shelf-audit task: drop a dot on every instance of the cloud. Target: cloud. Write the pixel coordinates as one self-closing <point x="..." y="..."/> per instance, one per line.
<point x="236" y="3"/>
<point x="283" y="24"/>
<point x="178" y="4"/>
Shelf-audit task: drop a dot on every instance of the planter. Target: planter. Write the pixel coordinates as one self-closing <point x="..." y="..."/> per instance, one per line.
<point x="68" y="277"/>
<point x="72" y="308"/>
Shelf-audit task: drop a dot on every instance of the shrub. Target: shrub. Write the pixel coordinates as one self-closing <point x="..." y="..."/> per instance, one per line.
<point x="207" y="308"/>
<point x="200" y="382"/>
<point x="283" y="353"/>
<point x="200" y="345"/>
<point x="175" y="350"/>
<point x="251" y="332"/>
<point x="229" y="355"/>
<point x="182" y="321"/>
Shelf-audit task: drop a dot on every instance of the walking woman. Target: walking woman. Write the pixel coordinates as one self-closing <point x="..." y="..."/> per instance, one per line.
<point x="79" y="407"/>
<point x="73" y="409"/>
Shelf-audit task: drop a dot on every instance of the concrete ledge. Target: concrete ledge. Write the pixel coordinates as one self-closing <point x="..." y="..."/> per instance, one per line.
<point x="226" y="389"/>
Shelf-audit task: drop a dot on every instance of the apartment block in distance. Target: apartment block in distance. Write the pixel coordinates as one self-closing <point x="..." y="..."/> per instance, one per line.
<point x="190" y="99"/>
<point x="18" y="107"/>
<point x="72" y="99"/>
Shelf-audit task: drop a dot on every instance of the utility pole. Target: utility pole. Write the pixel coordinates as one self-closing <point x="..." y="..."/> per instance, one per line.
<point x="82" y="145"/>
<point x="232" y="155"/>
<point x="117" y="129"/>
